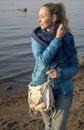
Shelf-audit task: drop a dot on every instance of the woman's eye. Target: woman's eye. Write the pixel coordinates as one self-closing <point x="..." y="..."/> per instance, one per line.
<point x="42" y="16"/>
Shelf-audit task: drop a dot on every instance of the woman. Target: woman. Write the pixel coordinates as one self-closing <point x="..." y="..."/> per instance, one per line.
<point x="55" y="57"/>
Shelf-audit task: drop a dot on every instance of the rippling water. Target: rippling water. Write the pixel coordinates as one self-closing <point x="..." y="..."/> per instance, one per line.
<point x="16" y="60"/>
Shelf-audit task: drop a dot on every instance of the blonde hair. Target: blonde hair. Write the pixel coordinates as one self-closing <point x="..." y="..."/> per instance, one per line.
<point x="59" y="10"/>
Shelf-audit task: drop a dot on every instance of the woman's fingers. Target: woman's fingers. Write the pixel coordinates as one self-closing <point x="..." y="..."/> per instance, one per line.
<point x="53" y="73"/>
<point x="50" y="71"/>
<point x="60" y="31"/>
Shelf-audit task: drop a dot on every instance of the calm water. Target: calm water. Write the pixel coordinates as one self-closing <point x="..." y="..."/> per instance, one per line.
<point x="16" y="60"/>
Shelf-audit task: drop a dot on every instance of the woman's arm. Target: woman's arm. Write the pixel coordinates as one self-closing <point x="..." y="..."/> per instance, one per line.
<point x="65" y="72"/>
<point x="45" y="55"/>
<point x="70" y="70"/>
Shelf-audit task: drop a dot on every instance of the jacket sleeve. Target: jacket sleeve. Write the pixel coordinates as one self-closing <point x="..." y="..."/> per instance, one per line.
<point x="45" y="55"/>
<point x="69" y="71"/>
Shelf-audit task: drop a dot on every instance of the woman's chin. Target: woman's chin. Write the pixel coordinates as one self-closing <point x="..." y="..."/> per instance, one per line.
<point x="42" y="27"/>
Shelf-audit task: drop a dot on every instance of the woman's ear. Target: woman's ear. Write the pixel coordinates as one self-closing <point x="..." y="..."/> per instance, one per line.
<point x="54" y="17"/>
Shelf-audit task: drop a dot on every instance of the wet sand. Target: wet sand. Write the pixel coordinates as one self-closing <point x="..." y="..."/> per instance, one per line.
<point x="15" y="115"/>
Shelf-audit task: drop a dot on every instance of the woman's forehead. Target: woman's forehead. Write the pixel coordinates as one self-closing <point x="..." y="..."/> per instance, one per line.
<point x="44" y="10"/>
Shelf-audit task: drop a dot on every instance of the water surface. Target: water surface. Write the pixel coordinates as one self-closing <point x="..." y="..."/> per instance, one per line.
<point x="16" y="60"/>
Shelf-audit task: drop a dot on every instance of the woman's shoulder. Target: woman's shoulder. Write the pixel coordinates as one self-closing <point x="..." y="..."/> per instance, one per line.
<point x="68" y="36"/>
<point x="69" y="43"/>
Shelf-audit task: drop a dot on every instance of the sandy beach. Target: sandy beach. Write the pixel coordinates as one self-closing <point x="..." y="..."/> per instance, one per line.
<point x="15" y="115"/>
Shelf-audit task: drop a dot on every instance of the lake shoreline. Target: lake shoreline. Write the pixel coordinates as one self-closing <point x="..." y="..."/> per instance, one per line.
<point x="15" y="115"/>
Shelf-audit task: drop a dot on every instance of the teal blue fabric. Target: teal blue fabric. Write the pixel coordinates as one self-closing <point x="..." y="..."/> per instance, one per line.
<point x="66" y="51"/>
<point x="43" y="62"/>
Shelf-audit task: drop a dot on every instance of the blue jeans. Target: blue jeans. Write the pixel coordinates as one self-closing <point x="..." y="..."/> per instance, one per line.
<point x="57" y="118"/>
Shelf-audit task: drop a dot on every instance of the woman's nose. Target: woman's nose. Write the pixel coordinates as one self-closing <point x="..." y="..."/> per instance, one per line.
<point x="39" y="20"/>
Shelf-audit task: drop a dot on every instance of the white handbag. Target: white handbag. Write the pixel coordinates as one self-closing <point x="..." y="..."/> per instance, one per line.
<point x="41" y="97"/>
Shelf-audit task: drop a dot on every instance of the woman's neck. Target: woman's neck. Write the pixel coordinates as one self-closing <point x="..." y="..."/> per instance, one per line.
<point x="50" y="29"/>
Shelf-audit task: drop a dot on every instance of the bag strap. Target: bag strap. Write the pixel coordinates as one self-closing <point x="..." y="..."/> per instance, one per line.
<point x="49" y="79"/>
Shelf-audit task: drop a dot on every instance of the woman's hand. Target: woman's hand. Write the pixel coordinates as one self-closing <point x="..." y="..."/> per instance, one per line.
<point x="53" y="73"/>
<point x="60" y="31"/>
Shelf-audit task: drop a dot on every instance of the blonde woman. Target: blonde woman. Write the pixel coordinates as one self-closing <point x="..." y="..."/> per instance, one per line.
<point x="55" y="55"/>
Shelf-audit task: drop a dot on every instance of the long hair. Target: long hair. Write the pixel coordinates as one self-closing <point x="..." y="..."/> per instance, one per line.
<point x="59" y="10"/>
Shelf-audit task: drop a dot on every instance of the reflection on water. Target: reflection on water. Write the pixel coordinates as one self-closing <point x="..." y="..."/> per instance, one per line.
<point x="16" y="60"/>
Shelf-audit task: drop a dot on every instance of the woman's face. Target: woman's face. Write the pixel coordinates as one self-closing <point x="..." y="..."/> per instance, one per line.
<point x="45" y="19"/>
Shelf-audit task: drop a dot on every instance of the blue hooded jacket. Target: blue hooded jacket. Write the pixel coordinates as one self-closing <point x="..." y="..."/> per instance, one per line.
<point x="53" y="53"/>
